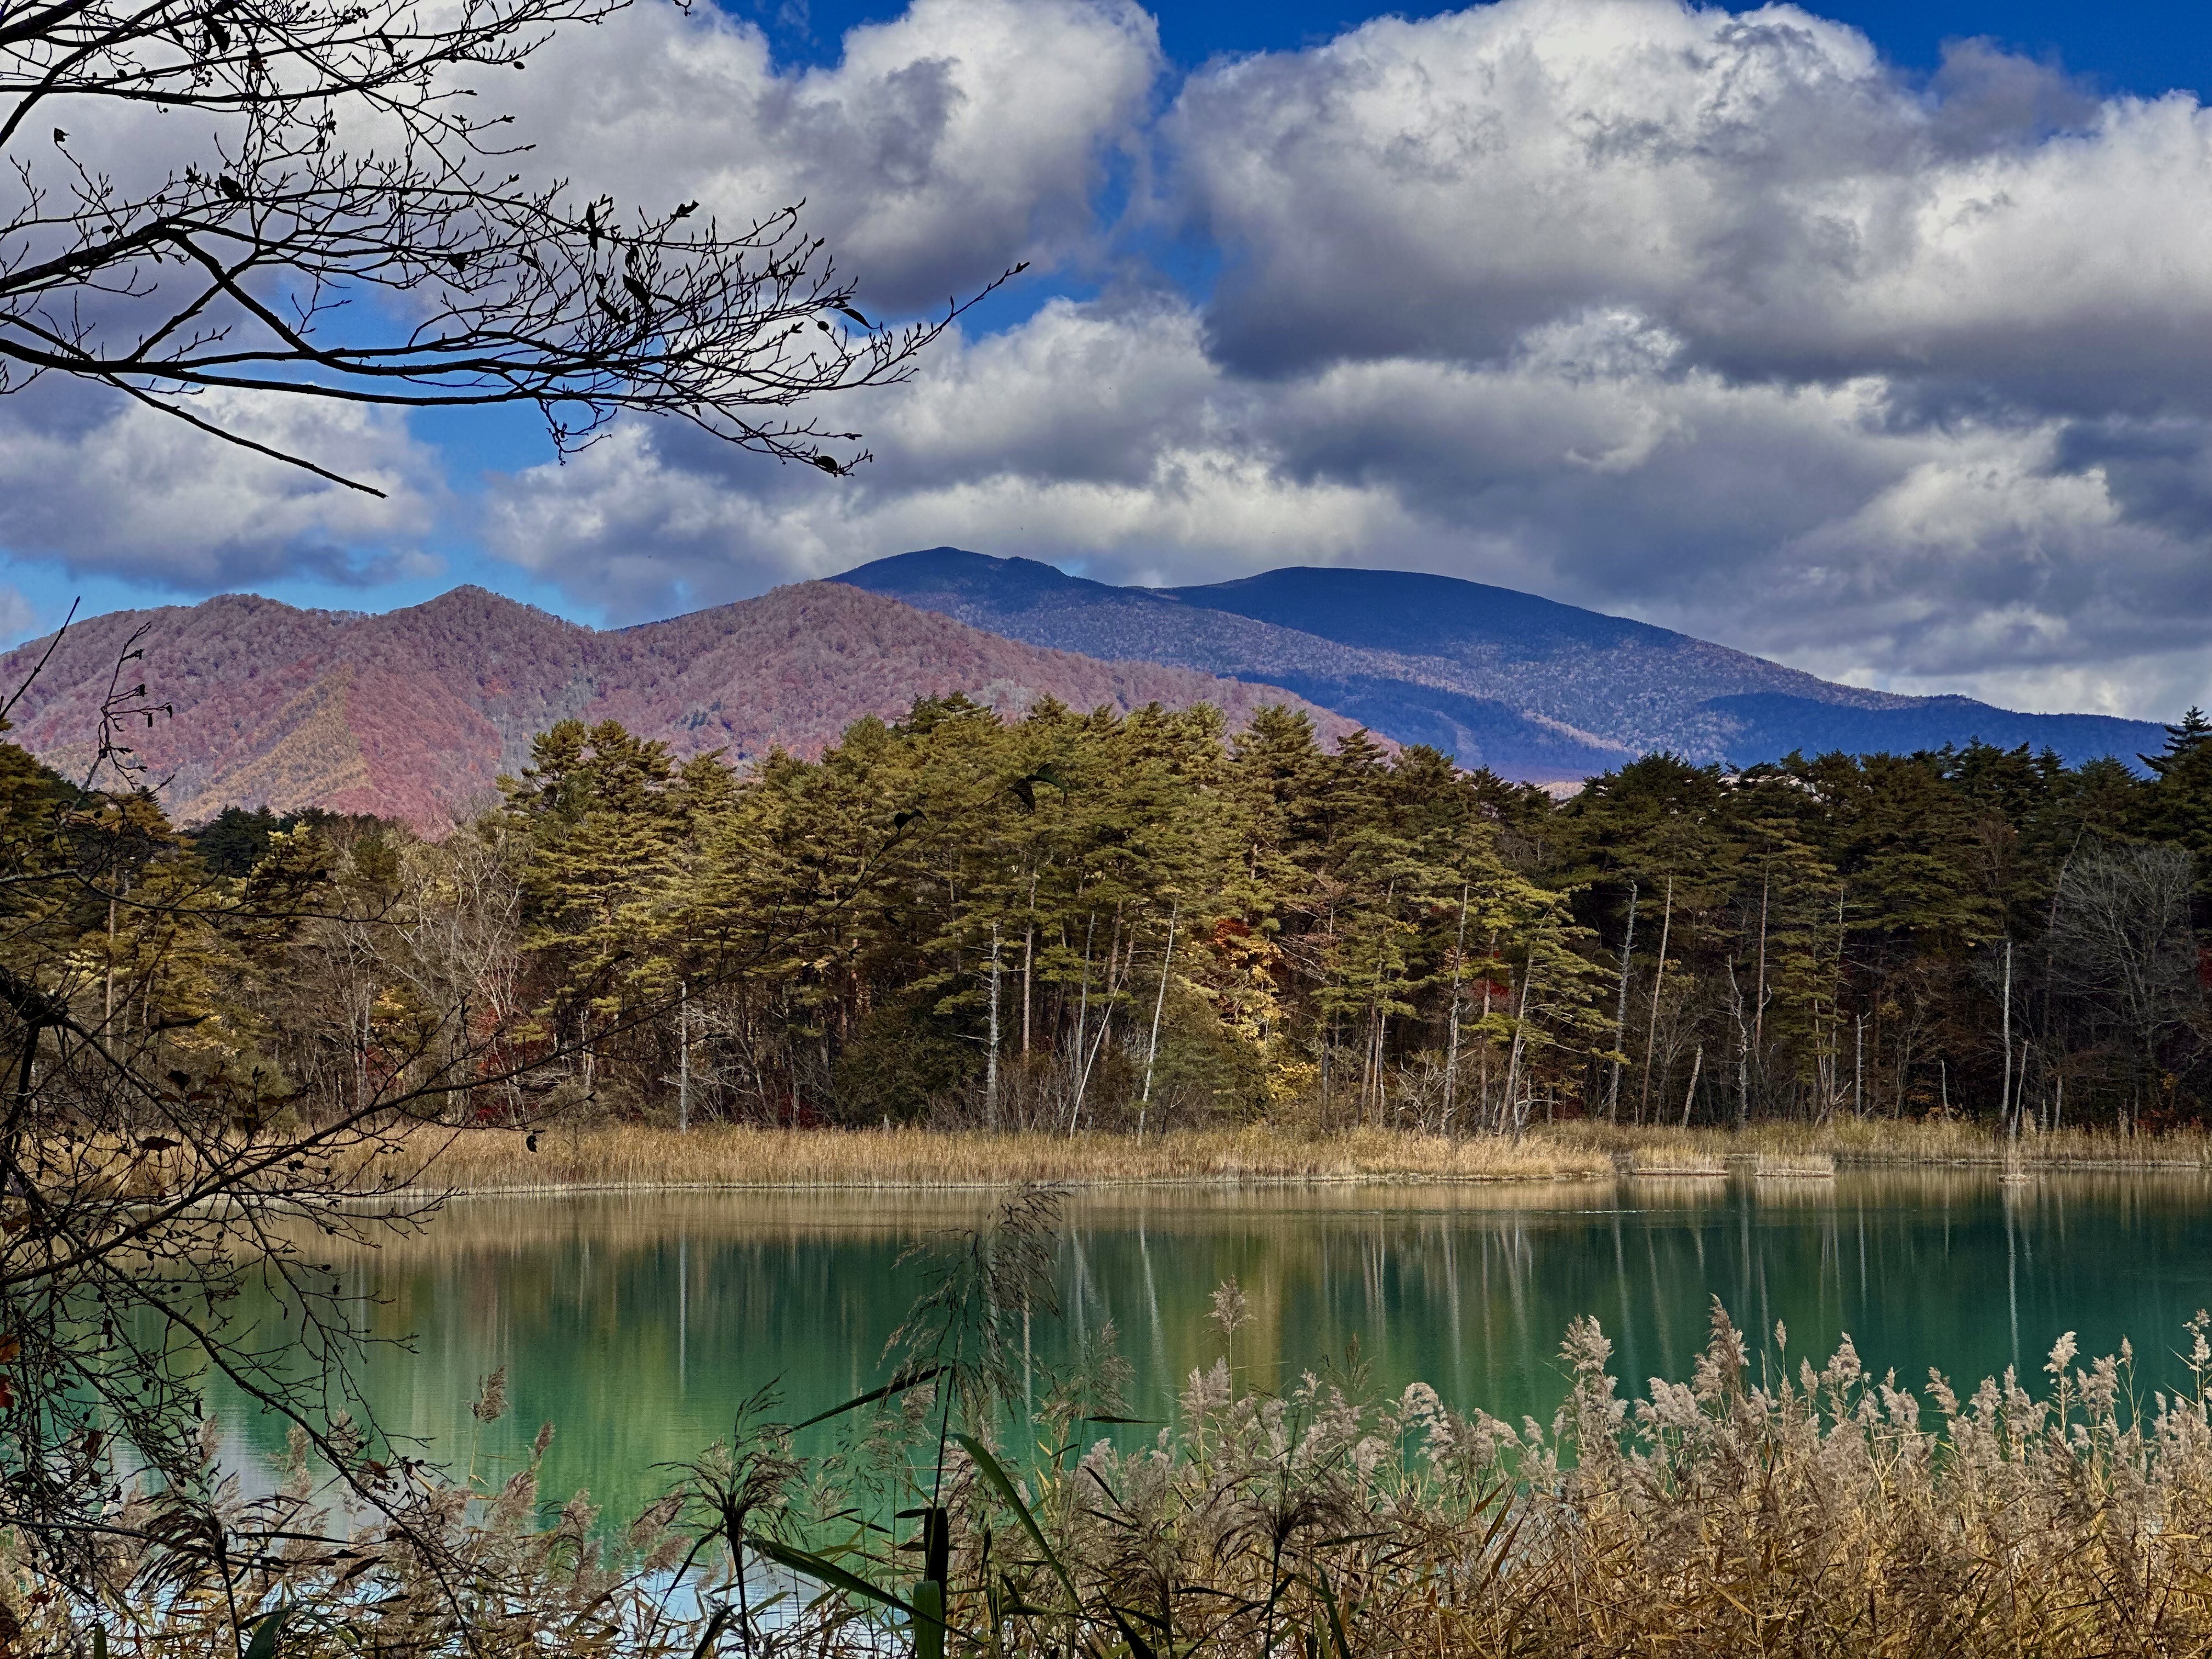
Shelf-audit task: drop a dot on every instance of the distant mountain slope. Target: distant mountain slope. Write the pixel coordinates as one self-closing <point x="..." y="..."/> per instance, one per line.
<point x="414" y="713"/>
<point x="1534" y="690"/>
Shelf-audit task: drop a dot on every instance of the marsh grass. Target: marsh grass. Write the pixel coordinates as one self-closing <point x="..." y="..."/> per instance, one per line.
<point x="1793" y="1166"/>
<point x="624" y="1156"/>
<point x="1673" y="1161"/>
<point x="631" y="1155"/>
<point x="1824" y="1512"/>
<point x="617" y="1157"/>
<point x="1848" y="1140"/>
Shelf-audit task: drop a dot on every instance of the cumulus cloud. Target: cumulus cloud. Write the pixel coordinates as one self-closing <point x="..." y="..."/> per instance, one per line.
<point x="1716" y="317"/>
<point x="1761" y="184"/>
<point x="946" y="145"/>
<point x="104" y="485"/>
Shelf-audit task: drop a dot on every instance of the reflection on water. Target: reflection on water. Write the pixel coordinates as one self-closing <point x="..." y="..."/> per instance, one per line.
<point x="636" y="1322"/>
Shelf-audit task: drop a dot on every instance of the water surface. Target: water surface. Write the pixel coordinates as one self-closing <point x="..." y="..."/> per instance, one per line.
<point x="636" y="1322"/>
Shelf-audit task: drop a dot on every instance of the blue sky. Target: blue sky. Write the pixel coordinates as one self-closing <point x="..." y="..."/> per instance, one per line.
<point x="1866" y="336"/>
<point x="2133" y="48"/>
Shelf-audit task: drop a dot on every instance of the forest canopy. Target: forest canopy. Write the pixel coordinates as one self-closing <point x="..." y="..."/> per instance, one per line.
<point x="1079" y="919"/>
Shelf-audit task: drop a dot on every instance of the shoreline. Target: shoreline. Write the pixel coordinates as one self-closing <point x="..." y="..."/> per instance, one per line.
<point x="631" y="1158"/>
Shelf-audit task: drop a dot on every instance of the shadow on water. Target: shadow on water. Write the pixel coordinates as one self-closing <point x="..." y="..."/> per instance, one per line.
<point x="636" y="1322"/>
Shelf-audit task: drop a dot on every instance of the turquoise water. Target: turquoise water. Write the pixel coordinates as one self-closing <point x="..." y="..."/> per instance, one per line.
<point x="636" y="1323"/>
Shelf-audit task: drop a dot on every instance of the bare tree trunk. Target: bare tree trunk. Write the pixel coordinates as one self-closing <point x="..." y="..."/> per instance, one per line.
<point x="1690" y="1099"/>
<point x="2006" y="1116"/>
<point x="1381" y="1077"/>
<point x="1451" y="1049"/>
<point x="683" y="1057"/>
<point x="1620" y="1012"/>
<point x="1743" y="1045"/>
<point x="108" y="1023"/>
<point x="1658" y="980"/>
<point x="1490" y="954"/>
<point x="1087" y="1058"/>
<point x="1758" y="1007"/>
<point x="1159" y="1002"/>
<point x="1082" y="1022"/>
<point x="1858" y="1065"/>
<point x="1367" y="1062"/>
<point x="1028" y="952"/>
<point x="1512" y="1104"/>
<point x="991" y="1058"/>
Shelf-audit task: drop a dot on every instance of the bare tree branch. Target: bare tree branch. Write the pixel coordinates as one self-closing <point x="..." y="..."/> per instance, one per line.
<point x="425" y="273"/>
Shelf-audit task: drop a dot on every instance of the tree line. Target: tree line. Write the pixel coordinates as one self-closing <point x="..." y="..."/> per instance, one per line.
<point x="1086" y="921"/>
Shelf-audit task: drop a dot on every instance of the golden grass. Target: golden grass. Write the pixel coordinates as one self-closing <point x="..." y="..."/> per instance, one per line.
<point x="1671" y="1161"/>
<point x="1848" y="1140"/>
<point x="1793" y="1165"/>
<point x="619" y="1157"/>
<point x="1835" y="1515"/>
<point x="628" y="1156"/>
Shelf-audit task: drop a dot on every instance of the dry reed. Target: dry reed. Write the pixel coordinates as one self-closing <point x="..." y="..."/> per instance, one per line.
<point x="618" y="1157"/>
<point x="629" y="1156"/>
<point x="1793" y="1165"/>
<point x="1849" y="1140"/>
<point x="1816" y="1514"/>
<point x="1674" y="1160"/>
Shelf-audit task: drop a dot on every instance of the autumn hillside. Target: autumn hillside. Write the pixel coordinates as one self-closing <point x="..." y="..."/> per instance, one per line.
<point x="416" y="712"/>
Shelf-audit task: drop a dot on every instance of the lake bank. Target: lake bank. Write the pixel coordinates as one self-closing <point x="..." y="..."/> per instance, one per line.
<point x="630" y="1156"/>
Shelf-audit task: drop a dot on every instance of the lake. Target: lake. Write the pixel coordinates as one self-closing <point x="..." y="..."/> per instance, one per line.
<point x="636" y="1322"/>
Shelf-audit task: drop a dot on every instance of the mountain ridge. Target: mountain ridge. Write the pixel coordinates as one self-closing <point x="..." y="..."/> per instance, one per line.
<point x="1538" y="690"/>
<point x="415" y="713"/>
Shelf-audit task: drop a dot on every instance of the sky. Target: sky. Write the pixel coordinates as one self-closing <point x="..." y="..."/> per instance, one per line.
<point x="1875" y="337"/>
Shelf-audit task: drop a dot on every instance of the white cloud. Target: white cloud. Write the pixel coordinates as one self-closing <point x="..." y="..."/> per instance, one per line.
<point x="105" y="485"/>
<point x="948" y="144"/>
<point x="1759" y="183"/>
<point x="1084" y="434"/>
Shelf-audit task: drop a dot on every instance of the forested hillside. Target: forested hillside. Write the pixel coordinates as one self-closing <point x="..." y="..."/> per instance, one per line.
<point x="1104" y="920"/>
<point x="414" y="714"/>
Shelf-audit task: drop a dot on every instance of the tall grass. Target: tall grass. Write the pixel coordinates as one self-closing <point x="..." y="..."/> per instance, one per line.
<point x="630" y="1155"/>
<point x="613" y="1157"/>
<point x="1883" y="1141"/>
<point x="1750" y="1509"/>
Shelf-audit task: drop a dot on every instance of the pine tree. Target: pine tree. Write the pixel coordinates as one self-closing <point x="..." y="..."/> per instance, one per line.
<point x="2178" y="810"/>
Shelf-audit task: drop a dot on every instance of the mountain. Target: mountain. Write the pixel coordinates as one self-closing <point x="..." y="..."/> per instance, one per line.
<point x="414" y="713"/>
<point x="1537" y="691"/>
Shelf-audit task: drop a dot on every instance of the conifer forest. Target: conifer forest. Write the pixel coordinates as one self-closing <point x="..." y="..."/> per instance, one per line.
<point x="1075" y="920"/>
